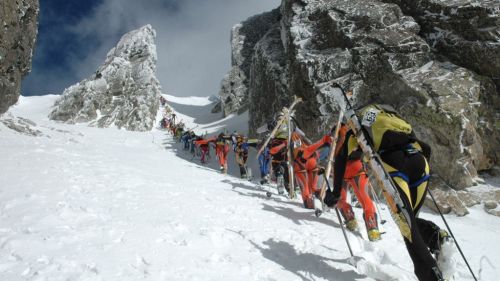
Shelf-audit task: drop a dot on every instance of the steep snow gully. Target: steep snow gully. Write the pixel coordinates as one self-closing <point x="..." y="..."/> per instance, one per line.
<point x="83" y="203"/>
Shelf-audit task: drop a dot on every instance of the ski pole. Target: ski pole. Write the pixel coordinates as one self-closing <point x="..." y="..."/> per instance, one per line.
<point x="340" y="221"/>
<point x="449" y="229"/>
<point x="343" y="231"/>
<point x="377" y="203"/>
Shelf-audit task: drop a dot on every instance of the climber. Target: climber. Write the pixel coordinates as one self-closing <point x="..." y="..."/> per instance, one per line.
<point x="172" y="118"/>
<point x="204" y="148"/>
<point x="264" y="161"/>
<point x="356" y="178"/>
<point x="305" y="167"/>
<point x="278" y="152"/>
<point x="221" y="150"/>
<point x="405" y="158"/>
<point x="241" y="151"/>
<point x="178" y="131"/>
<point x="185" y="139"/>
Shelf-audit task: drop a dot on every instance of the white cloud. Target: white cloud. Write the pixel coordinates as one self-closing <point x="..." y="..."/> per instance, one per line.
<point x="192" y="38"/>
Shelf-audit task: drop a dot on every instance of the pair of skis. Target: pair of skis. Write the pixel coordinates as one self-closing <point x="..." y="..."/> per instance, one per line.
<point x="329" y="163"/>
<point x="285" y="117"/>
<point x="399" y="212"/>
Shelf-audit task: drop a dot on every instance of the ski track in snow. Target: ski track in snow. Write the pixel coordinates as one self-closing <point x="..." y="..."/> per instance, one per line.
<point x="83" y="203"/>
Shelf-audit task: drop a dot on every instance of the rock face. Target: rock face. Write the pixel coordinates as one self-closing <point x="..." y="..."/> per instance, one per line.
<point x="244" y="36"/>
<point x="378" y="51"/>
<point x="19" y="27"/>
<point x="457" y="202"/>
<point x="466" y="32"/>
<point x="123" y="92"/>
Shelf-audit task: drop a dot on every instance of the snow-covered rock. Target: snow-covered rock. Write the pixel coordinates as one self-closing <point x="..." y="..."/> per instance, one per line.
<point x="377" y="51"/>
<point x="123" y="92"/>
<point x="458" y="202"/>
<point x="467" y="32"/>
<point x="18" y="30"/>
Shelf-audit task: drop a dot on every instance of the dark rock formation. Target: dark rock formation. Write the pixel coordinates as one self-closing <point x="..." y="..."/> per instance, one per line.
<point x="244" y="36"/>
<point x="18" y="30"/>
<point x="376" y="50"/>
<point x="466" y="32"/>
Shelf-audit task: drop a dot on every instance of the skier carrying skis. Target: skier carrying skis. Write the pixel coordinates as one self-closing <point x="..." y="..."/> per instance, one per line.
<point x="203" y="145"/>
<point x="221" y="150"/>
<point x="305" y="163"/>
<point x="355" y="177"/>
<point x="278" y="152"/>
<point x="241" y="151"/>
<point x="405" y="159"/>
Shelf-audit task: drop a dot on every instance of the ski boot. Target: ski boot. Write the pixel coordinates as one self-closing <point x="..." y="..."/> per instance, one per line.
<point x="352" y="224"/>
<point x="372" y="227"/>
<point x="350" y="221"/>
<point x="374" y="235"/>
<point x="445" y="255"/>
<point x="443" y="238"/>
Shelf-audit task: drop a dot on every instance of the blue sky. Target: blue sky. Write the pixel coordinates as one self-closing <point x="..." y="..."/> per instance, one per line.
<point x="192" y="40"/>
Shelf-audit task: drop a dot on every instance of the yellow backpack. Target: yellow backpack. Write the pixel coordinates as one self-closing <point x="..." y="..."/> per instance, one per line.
<point x="379" y="119"/>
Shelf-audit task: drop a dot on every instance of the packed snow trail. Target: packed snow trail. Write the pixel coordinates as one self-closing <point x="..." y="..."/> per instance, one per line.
<point x="81" y="203"/>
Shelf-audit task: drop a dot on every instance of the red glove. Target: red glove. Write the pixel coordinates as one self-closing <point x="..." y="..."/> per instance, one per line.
<point x="327" y="139"/>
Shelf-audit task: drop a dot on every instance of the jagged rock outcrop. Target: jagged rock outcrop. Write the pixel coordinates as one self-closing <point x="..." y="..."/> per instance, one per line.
<point x="19" y="27"/>
<point x="376" y="50"/>
<point x="244" y="36"/>
<point x="467" y="32"/>
<point x="123" y="92"/>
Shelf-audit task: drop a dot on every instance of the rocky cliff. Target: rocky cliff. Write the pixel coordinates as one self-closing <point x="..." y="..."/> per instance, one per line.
<point x="19" y="27"/>
<point x="123" y="92"/>
<point x="244" y="36"/>
<point x="385" y="54"/>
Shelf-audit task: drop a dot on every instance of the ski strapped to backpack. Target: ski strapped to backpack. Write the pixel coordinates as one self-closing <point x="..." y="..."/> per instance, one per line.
<point x="286" y="112"/>
<point x="399" y="212"/>
<point x="289" y="156"/>
<point x="331" y="155"/>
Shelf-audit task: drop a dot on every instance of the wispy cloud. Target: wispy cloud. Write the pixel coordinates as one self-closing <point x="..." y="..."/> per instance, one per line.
<point x="192" y="41"/>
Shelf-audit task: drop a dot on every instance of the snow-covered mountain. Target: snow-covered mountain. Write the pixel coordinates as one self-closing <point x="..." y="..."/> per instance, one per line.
<point x="84" y="203"/>
<point x="123" y="92"/>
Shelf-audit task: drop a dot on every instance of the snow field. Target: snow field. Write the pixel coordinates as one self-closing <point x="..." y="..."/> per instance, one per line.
<point x="83" y="203"/>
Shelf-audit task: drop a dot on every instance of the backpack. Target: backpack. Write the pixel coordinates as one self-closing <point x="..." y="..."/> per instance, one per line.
<point x="380" y="121"/>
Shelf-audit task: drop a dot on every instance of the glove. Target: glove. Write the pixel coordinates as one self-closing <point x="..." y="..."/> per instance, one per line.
<point x="327" y="139"/>
<point x="331" y="199"/>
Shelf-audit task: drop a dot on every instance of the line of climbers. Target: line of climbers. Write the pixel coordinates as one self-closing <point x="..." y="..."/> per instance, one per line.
<point x="405" y="158"/>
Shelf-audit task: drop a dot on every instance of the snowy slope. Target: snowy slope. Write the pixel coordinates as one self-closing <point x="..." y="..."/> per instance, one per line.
<point x="82" y="203"/>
